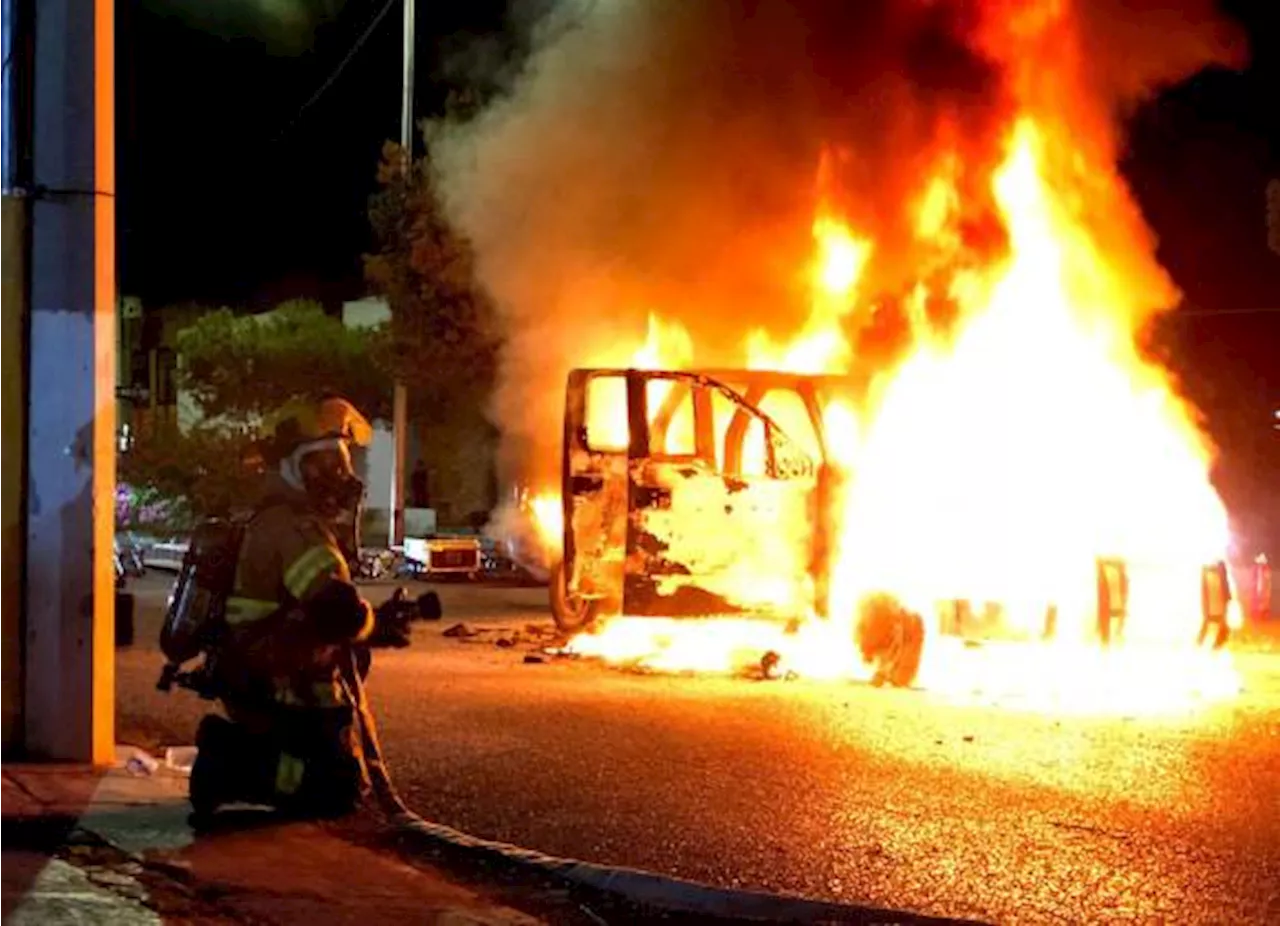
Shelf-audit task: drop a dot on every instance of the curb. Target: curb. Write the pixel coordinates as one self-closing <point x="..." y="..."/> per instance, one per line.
<point x="668" y="894"/>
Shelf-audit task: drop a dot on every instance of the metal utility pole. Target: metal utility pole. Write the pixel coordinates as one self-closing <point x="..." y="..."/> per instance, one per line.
<point x="406" y="97"/>
<point x="400" y="396"/>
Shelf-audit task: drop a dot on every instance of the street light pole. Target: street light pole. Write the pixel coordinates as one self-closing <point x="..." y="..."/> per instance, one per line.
<point x="400" y="396"/>
<point x="406" y="98"/>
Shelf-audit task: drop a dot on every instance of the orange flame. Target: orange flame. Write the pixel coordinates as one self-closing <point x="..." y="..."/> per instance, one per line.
<point x="548" y="516"/>
<point x="821" y="347"/>
<point x="994" y="467"/>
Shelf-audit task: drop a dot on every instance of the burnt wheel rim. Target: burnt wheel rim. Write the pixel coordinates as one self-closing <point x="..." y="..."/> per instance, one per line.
<point x="571" y="612"/>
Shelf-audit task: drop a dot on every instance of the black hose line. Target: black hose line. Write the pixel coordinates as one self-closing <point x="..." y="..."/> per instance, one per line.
<point x="634" y="886"/>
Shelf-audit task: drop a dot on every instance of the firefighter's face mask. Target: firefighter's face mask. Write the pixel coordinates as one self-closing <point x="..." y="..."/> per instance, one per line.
<point x="323" y="470"/>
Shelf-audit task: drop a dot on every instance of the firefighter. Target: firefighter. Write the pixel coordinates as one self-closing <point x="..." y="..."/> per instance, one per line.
<point x="1215" y="596"/>
<point x="290" y="738"/>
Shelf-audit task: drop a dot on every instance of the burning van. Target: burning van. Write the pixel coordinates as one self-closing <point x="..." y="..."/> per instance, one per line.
<point x="684" y="497"/>
<point x="699" y="524"/>
<point x="1015" y="463"/>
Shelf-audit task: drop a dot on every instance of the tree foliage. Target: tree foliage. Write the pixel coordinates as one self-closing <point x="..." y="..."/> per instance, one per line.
<point x="443" y="340"/>
<point x="204" y="470"/>
<point x="236" y="369"/>
<point x="240" y="367"/>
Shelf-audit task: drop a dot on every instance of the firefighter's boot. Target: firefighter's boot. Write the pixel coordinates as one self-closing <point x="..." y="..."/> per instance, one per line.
<point x="229" y="768"/>
<point x="210" y="781"/>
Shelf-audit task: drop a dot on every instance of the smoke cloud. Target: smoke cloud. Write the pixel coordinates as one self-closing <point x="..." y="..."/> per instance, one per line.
<point x="664" y="155"/>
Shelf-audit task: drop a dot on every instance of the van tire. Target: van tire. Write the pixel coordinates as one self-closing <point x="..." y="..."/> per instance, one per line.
<point x="571" y="613"/>
<point x="891" y="640"/>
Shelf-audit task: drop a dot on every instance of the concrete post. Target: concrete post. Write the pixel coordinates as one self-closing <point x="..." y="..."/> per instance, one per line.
<point x="16" y="110"/>
<point x="69" y="669"/>
<point x="13" y="428"/>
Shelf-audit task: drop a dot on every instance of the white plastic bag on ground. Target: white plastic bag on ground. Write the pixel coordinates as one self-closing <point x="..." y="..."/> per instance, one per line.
<point x="180" y="758"/>
<point x="141" y="764"/>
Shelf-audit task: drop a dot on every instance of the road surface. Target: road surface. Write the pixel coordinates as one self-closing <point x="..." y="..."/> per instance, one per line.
<point x="830" y="790"/>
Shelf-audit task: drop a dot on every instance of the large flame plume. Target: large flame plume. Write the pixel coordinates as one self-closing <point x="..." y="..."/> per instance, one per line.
<point x="922" y="195"/>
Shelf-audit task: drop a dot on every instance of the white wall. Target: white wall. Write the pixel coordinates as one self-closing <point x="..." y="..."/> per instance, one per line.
<point x="366" y="313"/>
<point x="380" y="457"/>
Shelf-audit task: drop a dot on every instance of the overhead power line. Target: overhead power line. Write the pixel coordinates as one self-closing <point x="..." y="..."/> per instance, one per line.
<point x="337" y="72"/>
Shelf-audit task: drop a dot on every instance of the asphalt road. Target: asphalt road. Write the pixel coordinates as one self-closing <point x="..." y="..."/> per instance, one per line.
<point x="831" y="790"/>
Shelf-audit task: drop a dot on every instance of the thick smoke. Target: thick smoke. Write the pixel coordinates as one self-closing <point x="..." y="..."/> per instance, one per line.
<point x="663" y="155"/>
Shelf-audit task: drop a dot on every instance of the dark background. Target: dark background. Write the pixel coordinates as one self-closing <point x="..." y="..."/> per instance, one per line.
<point x="231" y="192"/>
<point x="228" y="191"/>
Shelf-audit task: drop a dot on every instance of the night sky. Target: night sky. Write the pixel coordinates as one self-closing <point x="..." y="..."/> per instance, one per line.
<point x="228" y="194"/>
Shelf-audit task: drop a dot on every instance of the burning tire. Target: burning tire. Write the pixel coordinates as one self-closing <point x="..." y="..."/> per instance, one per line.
<point x="891" y="638"/>
<point x="571" y="612"/>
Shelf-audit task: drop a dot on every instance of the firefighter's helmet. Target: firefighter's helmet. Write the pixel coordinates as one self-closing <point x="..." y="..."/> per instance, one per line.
<point x="332" y="417"/>
<point x="312" y="441"/>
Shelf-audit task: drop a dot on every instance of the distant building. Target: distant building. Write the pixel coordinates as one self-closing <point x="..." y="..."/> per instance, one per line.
<point x="146" y="363"/>
<point x="379" y="460"/>
<point x="457" y="472"/>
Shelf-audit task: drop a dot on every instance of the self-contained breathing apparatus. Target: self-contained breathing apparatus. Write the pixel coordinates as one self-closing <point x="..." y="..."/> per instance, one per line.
<point x="195" y="622"/>
<point x="308" y="443"/>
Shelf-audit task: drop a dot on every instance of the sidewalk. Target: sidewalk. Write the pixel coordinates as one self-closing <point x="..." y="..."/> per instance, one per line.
<point x="106" y="846"/>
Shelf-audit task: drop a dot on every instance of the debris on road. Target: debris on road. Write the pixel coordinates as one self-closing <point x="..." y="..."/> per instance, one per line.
<point x="534" y="659"/>
<point x="541" y="636"/>
<point x="141" y="763"/>
<point x="769" y="668"/>
<point x="461" y="631"/>
<point x="560" y="651"/>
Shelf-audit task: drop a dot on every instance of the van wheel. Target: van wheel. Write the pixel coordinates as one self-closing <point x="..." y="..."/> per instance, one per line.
<point x="891" y="639"/>
<point x="571" y="612"/>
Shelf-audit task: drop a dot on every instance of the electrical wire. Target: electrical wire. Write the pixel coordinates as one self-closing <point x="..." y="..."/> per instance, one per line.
<point x="337" y="72"/>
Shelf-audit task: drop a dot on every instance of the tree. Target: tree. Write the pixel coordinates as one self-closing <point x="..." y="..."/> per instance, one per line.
<point x="237" y="369"/>
<point x="240" y="367"/>
<point x="443" y="340"/>
<point x="179" y="476"/>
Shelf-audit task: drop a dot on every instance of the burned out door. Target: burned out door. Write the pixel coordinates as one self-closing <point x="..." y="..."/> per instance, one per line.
<point x="720" y="517"/>
<point x="597" y="437"/>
